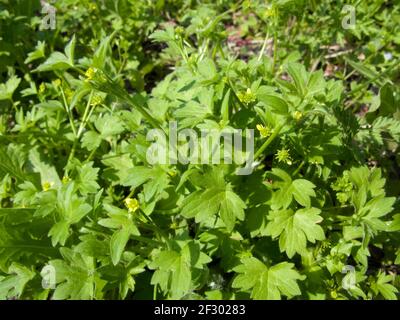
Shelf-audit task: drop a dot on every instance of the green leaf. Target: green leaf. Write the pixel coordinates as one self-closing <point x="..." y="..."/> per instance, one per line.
<point x="232" y="208"/>
<point x="122" y="221"/>
<point x="7" y="89"/>
<point x="267" y="283"/>
<point x="99" y="58"/>
<point x="387" y="101"/>
<point x="163" y="36"/>
<point x="277" y="104"/>
<point x="294" y="229"/>
<point x="382" y="286"/>
<point x="395" y="224"/>
<point x="225" y="107"/>
<point x="59" y="233"/>
<point x="12" y="286"/>
<point x="71" y="209"/>
<point x="300" y="77"/>
<point x="87" y="178"/>
<point x="362" y="69"/>
<point x="208" y="71"/>
<point x="12" y="161"/>
<point x="70" y="50"/>
<point x="38" y="53"/>
<point x="375" y="209"/>
<point x="203" y="205"/>
<point x="91" y="140"/>
<point x="56" y="61"/>
<point x="175" y="271"/>
<point x="109" y="126"/>
<point x="76" y="277"/>
<point x="302" y="190"/>
<point x="155" y="180"/>
<point x="117" y="244"/>
<point x="41" y="164"/>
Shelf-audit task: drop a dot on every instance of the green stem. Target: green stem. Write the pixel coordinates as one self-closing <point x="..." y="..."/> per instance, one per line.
<point x="157" y="229"/>
<point x="263" y="47"/>
<point x="299" y="168"/>
<point x="71" y="156"/>
<point x="269" y="141"/>
<point x="155" y="292"/>
<point x="91" y="154"/>
<point x="85" y="115"/>
<point x="67" y="108"/>
<point x="147" y="115"/>
<point x="242" y="106"/>
<point x="275" y="52"/>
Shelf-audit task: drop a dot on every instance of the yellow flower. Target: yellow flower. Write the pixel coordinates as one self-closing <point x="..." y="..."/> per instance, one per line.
<point x="131" y="204"/>
<point x="264" y="131"/>
<point x="96" y="100"/>
<point x="57" y="82"/>
<point x="247" y="97"/>
<point x="174" y="225"/>
<point x="297" y="115"/>
<point x="90" y="73"/>
<point x="172" y="173"/>
<point x="284" y="156"/>
<point x="179" y="31"/>
<point x="47" y="185"/>
<point x="68" y="94"/>
<point x="42" y="88"/>
<point x="65" y="179"/>
<point x="271" y="12"/>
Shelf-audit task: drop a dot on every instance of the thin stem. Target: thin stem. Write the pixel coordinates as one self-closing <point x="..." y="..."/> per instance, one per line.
<point x="269" y="141"/>
<point x="85" y="115"/>
<point x="90" y="155"/>
<point x="263" y="47"/>
<point x="155" y="292"/>
<point x="242" y="106"/>
<point x="157" y="229"/>
<point x="299" y="168"/>
<point x="67" y="108"/>
<point x="275" y="51"/>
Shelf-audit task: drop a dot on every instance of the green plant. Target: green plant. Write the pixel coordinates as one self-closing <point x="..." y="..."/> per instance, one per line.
<point x="80" y="198"/>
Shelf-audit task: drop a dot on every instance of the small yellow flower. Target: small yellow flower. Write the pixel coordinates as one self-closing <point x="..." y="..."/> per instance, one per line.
<point x="247" y="97"/>
<point x="297" y="115"/>
<point x="65" y="180"/>
<point x="172" y="173"/>
<point x="96" y="100"/>
<point x="42" y="88"/>
<point x="47" y="185"/>
<point x="271" y="12"/>
<point x="174" y="225"/>
<point x="90" y="73"/>
<point x="131" y="204"/>
<point x="284" y="156"/>
<point x="68" y="94"/>
<point x="92" y="7"/>
<point x="179" y="31"/>
<point x="57" y="82"/>
<point x="264" y="131"/>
